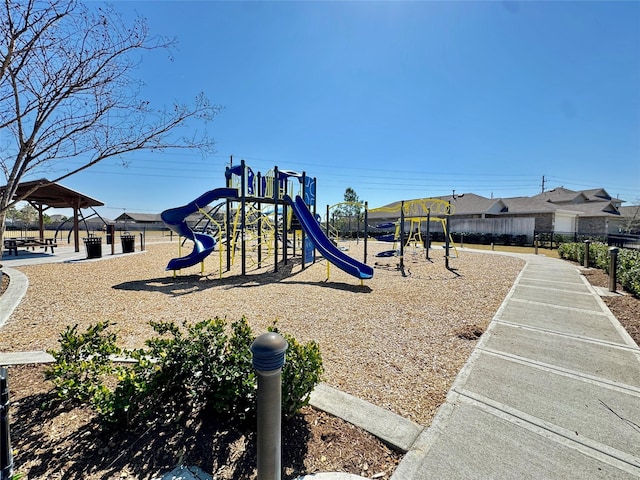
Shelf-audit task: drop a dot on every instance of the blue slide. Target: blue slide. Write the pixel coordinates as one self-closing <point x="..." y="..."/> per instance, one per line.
<point x="176" y="220"/>
<point x="326" y="248"/>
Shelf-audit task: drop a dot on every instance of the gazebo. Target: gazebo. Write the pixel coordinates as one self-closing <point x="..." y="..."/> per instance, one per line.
<point x="48" y="194"/>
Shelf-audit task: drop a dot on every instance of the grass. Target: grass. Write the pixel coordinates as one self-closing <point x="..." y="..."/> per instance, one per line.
<point x="553" y="253"/>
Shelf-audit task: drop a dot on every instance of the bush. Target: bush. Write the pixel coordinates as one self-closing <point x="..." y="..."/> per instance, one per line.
<point x="302" y="368"/>
<point x="197" y="367"/>
<point x="521" y="240"/>
<point x="629" y="270"/>
<point x="628" y="266"/>
<point x="83" y="363"/>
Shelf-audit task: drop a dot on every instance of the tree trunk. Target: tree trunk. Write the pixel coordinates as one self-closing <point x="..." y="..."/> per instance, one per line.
<point x="3" y="220"/>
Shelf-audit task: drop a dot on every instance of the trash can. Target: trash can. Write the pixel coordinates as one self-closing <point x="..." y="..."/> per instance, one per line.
<point x="93" y="246"/>
<point x="128" y="243"/>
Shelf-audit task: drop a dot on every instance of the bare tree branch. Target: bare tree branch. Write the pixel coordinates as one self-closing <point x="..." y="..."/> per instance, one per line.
<point x="68" y="93"/>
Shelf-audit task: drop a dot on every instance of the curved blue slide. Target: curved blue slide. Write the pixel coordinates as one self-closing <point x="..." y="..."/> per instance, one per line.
<point x="203" y="244"/>
<point x="326" y="248"/>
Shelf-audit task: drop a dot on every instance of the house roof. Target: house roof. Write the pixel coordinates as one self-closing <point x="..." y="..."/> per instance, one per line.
<point x="561" y="195"/>
<point x="596" y="209"/>
<point x="139" y="217"/>
<point x="594" y="202"/>
<point x="529" y="205"/>
<point x="466" y="203"/>
<point x="470" y="203"/>
<point x="153" y="217"/>
<point x="564" y="195"/>
<point x="597" y="194"/>
<point x="630" y="211"/>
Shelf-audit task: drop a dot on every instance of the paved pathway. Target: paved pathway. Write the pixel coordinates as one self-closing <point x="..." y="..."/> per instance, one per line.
<point x="552" y="391"/>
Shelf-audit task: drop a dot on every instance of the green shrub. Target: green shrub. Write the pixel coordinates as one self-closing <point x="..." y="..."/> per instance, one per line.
<point x="204" y="366"/>
<point x="628" y="264"/>
<point x="629" y="270"/>
<point x="83" y="363"/>
<point x="599" y="256"/>
<point x="207" y="365"/>
<point x="301" y="372"/>
<point x="572" y="251"/>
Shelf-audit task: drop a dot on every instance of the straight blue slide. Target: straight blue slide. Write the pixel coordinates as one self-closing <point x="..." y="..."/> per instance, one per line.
<point x="324" y="245"/>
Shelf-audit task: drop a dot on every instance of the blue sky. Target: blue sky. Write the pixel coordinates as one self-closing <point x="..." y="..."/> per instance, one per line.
<point x="397" y="100"/>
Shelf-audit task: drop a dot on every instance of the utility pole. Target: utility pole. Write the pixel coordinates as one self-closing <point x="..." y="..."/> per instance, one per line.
<point x="542" y="184"/>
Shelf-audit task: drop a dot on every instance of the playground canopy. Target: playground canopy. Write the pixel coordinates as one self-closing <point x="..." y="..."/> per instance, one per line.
<point x="48" y="194"/>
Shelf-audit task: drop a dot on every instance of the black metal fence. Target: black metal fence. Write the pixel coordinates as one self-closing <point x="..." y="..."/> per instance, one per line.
<point x="624" y="241"/>
<point x="545" y="239"/>
<point x="554" y="239"/>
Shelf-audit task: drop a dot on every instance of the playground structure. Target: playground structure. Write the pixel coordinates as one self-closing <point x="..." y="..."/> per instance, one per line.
<point x="261" y="216"/>
<point x="414" y="213"/>
<point x="260" y="213"/>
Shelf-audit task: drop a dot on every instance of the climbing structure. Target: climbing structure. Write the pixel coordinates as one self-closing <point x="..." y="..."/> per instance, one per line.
<point x="257" y="219"/>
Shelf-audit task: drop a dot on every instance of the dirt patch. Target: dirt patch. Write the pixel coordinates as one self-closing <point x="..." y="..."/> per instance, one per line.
<point x="65" y="443"/>
<point x="469" y="332"/>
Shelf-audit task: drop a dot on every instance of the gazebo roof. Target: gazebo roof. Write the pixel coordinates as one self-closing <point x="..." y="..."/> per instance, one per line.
<point x="55" y="195"/>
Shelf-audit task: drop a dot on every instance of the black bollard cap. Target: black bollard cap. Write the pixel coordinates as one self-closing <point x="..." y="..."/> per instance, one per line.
<point x="268" y="352"/>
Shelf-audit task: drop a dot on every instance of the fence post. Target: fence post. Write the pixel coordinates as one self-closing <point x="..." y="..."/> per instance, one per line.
<point x="268" y="358"/>
<point x="586" y="253"/>
<point x="536" y="238"/>
<point x="613" y="265"/>
<point x="6" y="457"/>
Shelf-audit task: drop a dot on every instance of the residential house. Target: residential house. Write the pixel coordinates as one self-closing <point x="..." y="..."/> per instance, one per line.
<point x="141" y="221"/>
<point x="558" y="211"/>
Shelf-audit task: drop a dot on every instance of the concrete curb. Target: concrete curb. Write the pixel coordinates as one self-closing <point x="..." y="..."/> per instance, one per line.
<point x="384" y="424"/>
<point x="18" y="283"/>
<point x="331" y="476"/>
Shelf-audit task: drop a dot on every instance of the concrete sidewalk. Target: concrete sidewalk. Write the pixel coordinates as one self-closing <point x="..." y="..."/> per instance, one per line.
<point x="66" y="254"/>
<point x="551" y="391"/>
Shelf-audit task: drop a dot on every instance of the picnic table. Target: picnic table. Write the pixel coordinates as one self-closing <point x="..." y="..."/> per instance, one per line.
<point x="14" y="243"/>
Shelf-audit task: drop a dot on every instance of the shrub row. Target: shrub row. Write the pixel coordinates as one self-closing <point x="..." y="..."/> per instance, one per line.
<point x="471" y="238"/>
<point x="206" y="366"/>
<point x="628" y="265"/>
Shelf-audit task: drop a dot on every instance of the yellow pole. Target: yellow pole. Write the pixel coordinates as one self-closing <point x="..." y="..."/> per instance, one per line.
<point x="328" y="269"/>
<point x="220" y="254"/>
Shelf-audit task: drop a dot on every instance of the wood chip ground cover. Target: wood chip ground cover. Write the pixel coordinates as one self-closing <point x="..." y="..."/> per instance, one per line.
<point x="394" y="341"/>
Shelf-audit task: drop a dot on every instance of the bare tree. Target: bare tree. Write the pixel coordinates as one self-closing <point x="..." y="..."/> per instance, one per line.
<point x="67" y="92"/>
<point x="631" y="220"/>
